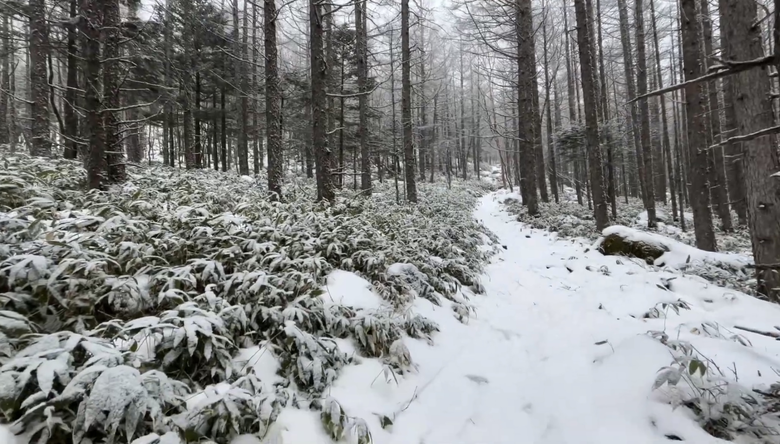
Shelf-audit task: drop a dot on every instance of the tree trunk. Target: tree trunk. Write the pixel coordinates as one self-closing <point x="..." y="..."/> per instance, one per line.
<point x="406" y="105"/>
<point x="71" y="117"/>
<point x="526" y="88"/>
<point x="733" y="152"/>
<point x="541" y="176"/>
<point x="569" y="75"/>
<point x="395" y="154"/>
<point x="717" y="173"/>
<point x="548" y="117"/>
<point x="39" y="84"/>
<point x="215" y="130"/>
<point x="753" y="110"/>
<point x="591" y="116"/>
<point x="223" y="142"/>
<point x="95" y="162"/>
<point x="319" y="118"/>
<point x="332" y="83"/>
<point x="188" y="36"/>
<point x="134" y="127"/>
<point x="665" y="141"/>
<point x="361" y="48"/>
<point x="198" y="151"/>
<point x="242" y="143"/>
<point x="5" y="79"/>
<point x="462" y="135"/>
<point x="424" y="131"/>
<point x="111" y="97"/>
<point x="695" y="107"/>
<point x="607" y="136"/>
<point x="647" y="171"/>
<point x="665" y="144"/>
<point x="257" y="140"/>
<point x="633" y="123"/>
<point x="273" y="93"/>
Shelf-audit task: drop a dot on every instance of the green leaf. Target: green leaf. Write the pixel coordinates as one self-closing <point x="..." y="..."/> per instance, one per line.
<point x="696" y="364"/>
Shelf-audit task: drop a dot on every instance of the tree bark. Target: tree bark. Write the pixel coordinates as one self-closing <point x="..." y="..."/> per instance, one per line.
<point x="361" y="48"/>
<point x="111" y="97"/>
<point x="717" y="173"/>
<point x="257" y="140"/>
<point x="406" y="105"/>
<point x="665" y="141"/>
<point x="526" y="88"/>
<point x="695" y="107"/>
<point x="753" y="110"/>
<point x="548" y="117"/>
<point x="242" y="143"/>
<point x="733" y="152"/>
<point x="71" y="117"/>
<point x="95" y="162"/>
<point x="628" y="66"/>
<point x="39" y="84"/>
<point x="607" y="135"/>
<point x="319" y="118"/>
<point x="273" y="92"/>
<point x="188" y="36"/>
<point x="5" y="78"/>
<point x="644" y="125"/>
<point x="135" y="129"/>
<point x="591" y="116"/>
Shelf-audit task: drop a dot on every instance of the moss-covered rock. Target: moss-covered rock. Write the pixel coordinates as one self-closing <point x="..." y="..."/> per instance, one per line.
<point x="616" y="244"/>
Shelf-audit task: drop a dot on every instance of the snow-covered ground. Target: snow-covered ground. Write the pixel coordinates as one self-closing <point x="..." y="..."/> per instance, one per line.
<point x="557" y="352"/>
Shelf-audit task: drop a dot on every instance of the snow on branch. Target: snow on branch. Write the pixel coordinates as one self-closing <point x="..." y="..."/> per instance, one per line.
<point x="725" y="68"/>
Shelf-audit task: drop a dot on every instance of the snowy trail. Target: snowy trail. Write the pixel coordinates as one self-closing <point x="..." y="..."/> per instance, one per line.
<point x="556" y="354"/>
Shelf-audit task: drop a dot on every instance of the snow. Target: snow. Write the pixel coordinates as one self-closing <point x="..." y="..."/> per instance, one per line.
<point x="262" y="361"/>
<point x="678" y="254"/>
<point x="347" y="288"/>
<point x="7" y="437"/>
<point x="662" y="216"/>
<point x="558" y="352"/>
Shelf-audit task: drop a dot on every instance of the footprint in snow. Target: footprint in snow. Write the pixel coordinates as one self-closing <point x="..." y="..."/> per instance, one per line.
<point x="478" y="379"/>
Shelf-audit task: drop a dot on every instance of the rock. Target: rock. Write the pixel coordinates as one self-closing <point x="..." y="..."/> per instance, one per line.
<point x="617" y="245"/>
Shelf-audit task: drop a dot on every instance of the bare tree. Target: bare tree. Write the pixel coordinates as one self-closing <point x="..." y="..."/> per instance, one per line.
<point x="242" y="148"/>
<point x="526" y="88"/>
<point x="695" y="108"/>
<point x="95" y="161"/>
<point x="591" y="115"/>
<point x="647" y="170"/>
<point x="39" y="85"/>
<point x="111" y="98"/>
<point x="753" y="112"/>
<point x="273" y="124"/>
<point x="361" y="48"/>
<point x="406" y="105"/>
<point x="319" y="118"/>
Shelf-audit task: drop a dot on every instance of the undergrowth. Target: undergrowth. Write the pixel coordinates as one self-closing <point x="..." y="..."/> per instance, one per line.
<point x="118" y="307"/>
<point x="574" y="221"/>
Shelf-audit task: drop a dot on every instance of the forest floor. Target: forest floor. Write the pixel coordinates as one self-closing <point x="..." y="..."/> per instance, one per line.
<point x="563" y="349"/>
<point x="564" y="345"/>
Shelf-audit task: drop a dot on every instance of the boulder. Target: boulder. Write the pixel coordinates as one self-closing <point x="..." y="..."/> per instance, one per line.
<point x="616" y="244"/>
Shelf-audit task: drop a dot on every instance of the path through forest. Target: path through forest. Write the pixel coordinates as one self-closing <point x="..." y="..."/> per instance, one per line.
<point x="557" y="352"/>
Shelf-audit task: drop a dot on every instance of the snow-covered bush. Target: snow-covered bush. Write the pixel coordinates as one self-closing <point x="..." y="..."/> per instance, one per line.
<point x="725" y="407"/>
<point x="161" y="281"/>
<point x="571" y="220"/>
